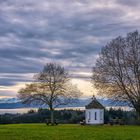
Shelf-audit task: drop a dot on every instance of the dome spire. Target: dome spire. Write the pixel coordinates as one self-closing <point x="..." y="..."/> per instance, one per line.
<point x="93" y="97"/>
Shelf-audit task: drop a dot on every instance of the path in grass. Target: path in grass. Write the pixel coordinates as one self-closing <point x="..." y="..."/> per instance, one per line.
<point x="68" y="132"/>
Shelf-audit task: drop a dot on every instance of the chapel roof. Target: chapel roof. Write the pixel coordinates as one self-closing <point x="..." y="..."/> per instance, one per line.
<point x="94" y="104"/>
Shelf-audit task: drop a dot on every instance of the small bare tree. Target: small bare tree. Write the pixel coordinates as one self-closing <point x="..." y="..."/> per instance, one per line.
<point x="117" y="70"/>
<point x="51" y="87"/>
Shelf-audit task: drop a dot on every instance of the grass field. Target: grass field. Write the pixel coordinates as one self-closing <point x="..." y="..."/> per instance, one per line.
<point x="68" y="132"/>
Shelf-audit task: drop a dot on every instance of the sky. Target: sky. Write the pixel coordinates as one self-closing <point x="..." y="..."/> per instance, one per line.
<point x="67" y="32"/>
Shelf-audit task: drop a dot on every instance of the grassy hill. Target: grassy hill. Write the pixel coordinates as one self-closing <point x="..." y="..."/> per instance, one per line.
<point x="68" y="132"/>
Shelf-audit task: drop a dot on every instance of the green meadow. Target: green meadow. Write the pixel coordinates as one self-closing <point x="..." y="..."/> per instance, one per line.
<point x="68" y="132"/>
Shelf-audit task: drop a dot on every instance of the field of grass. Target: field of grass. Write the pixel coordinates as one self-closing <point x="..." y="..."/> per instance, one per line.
<point x="68" y="132"/>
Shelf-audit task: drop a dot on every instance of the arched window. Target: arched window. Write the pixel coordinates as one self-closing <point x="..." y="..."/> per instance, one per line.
<point x="95" y="115"/>
<point x="89" y="116"/>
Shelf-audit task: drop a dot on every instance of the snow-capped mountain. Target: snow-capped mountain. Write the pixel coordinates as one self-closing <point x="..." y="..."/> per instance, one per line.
<point x="11" y="103"/>
<point x="9" y="100"/>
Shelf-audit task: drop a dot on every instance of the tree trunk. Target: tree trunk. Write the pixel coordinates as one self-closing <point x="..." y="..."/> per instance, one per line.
<point x="138" y="118"/>
<point x="52" y="116"/>
<point x="138" y="113"/>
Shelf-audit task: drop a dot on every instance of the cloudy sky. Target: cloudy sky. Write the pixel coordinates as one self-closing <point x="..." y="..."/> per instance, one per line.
<point x="69" y="32"/>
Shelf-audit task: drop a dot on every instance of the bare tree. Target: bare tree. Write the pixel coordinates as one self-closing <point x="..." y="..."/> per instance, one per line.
<point x="51" y="87"/>
<point x="116" y="73"/>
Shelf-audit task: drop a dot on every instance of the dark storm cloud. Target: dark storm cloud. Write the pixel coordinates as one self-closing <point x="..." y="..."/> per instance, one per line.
<point x="71" y="33"/>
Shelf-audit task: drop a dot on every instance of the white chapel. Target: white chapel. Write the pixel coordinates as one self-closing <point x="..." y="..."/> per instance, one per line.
<point x="94" y="113"/>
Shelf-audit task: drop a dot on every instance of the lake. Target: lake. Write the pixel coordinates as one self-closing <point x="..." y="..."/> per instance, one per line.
<point x="25" y="110"/>
<point x="17" y="110"/>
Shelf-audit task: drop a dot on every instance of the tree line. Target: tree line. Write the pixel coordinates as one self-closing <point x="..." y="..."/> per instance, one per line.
<point x="65" y="116"/>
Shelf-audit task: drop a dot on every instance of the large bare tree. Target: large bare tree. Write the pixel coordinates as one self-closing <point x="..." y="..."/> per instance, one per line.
<point x="51" y="87"/>
<point x="116" y="73"/>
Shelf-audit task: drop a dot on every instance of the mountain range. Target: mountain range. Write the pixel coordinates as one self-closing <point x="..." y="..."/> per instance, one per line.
<point x="13" y="103"/>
